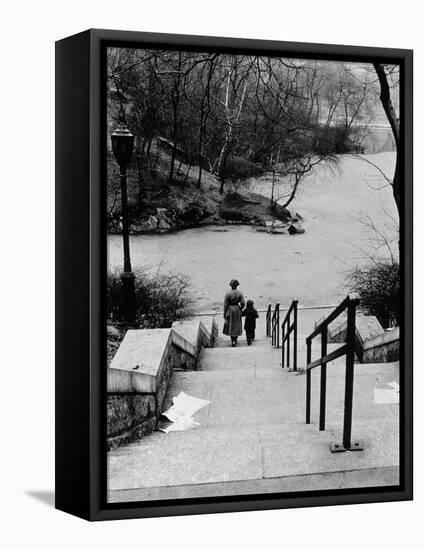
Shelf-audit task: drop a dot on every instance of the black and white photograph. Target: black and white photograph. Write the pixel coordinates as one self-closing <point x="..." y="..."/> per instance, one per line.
<point x="254" y="289"/>
<point x="211" y="227"/>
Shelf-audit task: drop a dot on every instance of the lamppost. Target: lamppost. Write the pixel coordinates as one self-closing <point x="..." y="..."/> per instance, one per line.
<point x="122" y="145"/>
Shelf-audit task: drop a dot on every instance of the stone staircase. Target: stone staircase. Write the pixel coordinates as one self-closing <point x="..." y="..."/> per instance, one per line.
<point x="253" y="438"/>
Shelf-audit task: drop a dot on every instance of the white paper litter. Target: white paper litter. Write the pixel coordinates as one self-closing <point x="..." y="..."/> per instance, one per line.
<point x="391" y="396"/>
<point x="181" y="412"/>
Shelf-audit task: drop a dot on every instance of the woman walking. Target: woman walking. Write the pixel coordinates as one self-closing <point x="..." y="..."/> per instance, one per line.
<point x="232" y="307"/>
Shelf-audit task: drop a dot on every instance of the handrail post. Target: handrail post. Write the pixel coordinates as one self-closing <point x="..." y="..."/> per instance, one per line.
<point x="295" y="334"/>
<point x="288" y="341"/>
<point x="349" y="384"/>
<point x="324" y="348"/>
<point x="349" y="377"/>
<point x="350" y="304"/>
<point x="283" y="344"/>
<point x="308" y="384"/>
<point x="278" y="327"/>
<point x="273" y="325"/>
<point x="268" y="319"/>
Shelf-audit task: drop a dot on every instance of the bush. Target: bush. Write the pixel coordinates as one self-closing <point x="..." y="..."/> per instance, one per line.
<point x="240" y="169"/>
<point x="160" y="299"/>
<point x="378" y="285"/>
<point x="333" y="140"/>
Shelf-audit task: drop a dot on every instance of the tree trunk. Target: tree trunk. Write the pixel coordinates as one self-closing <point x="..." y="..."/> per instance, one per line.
<point x="200" y="173"/>
<point x="222" y="170"/>
<point x="272" y="199"/>
<point x="140" y="185"/>
<point x="222" y="184"/>
<point x="294" y="190"/>
<point x="205" y="100"/>
<point x="175" y="108"/>
<point x="174" y="148"/>
<point x="385" y="98"/>
<point x="200" y="149"/>
<point x="224" y="153"/>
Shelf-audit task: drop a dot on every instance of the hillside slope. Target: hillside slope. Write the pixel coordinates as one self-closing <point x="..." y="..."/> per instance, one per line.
<point x="158" y="206"/>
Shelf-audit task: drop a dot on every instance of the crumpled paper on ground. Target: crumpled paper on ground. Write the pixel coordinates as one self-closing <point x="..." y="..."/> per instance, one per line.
<point x="181" y="412"/>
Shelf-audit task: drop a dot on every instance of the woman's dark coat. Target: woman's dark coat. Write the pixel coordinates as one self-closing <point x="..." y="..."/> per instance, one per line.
<point x="232" y="307"/>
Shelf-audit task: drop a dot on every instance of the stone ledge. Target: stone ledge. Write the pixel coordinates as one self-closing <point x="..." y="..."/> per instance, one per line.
<point x="138" y="362"/>
<point x="382" y="348"/>
<point x="377" y="345"/>
<point x="139" y="375"/>
<point x="137" y="365"/>
<point x="193" y="334"/>
<point x="185" y="334"/>
<point x="366" y="327"/>
<point x="382" y="339"/>
<point x="210" y="323"/>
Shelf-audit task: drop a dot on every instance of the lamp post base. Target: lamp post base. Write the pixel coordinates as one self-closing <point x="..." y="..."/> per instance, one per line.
<point x="128" y="294"/>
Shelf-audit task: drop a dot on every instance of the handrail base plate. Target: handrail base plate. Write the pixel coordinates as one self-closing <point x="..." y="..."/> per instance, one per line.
<point x="339" y="447"/>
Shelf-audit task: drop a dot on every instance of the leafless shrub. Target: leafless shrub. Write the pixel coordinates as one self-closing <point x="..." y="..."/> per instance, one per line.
<point x="378" y="280"/>
<point x="161" y="299"/>
<point x="378" y="285"/>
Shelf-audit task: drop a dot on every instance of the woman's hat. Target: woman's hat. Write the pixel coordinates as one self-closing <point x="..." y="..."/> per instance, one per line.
<point x="234" y="282"/>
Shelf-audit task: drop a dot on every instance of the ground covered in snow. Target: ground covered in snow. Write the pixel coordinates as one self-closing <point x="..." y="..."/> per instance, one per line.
<point x="334" y="203"/>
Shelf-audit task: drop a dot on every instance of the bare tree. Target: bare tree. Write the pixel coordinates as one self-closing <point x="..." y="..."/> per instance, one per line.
<point x="383" y="72"/>
<point x="282" y="115"/>
<point x="237" y="73"/>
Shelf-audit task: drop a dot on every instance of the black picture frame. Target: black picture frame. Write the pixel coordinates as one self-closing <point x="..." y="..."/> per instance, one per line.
<point x="80" y="277"/>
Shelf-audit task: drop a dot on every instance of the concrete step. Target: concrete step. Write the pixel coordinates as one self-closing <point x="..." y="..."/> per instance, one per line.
<point x="253" y="437"/>
<point x="266" y="344"/>
<point x="260" y="394"/>
<point x="296" y="455"/>
<point x="243" y="356"/>
<point x="335" y="369"/>
<point x="226" y="342"/>
<point x="240" y="357"/>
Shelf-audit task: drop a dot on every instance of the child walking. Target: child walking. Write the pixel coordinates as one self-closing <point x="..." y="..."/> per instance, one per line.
<point x="250" y="314"/>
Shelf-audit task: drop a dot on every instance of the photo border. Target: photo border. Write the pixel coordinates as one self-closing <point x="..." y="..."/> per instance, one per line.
<point x="92" y="461"/>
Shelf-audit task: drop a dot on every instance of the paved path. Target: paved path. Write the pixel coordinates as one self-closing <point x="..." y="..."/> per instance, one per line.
<point x="253" y="438"/>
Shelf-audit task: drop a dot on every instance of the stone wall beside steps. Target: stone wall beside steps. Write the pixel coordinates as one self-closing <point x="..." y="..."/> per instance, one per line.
<point x="141" y="371"/>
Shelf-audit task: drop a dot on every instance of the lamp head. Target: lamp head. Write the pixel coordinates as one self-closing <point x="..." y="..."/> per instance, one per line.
<point x="122" y="144"/>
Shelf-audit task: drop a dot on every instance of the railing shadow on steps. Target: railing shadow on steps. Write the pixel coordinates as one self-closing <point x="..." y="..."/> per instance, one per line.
<point x="289" y="326"/>
<point x="349" y="349"/>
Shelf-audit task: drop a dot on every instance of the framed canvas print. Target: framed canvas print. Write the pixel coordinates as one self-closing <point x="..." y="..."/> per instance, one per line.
<point x="234" y="274"/>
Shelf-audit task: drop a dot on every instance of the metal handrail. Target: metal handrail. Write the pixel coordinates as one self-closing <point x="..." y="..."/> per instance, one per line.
<point x="350" y="304"/>
<point x="289" y="327"/>
<point x="275" y="326"/>
<point x="333" y="315"/>
<point x="268" y="320"/>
